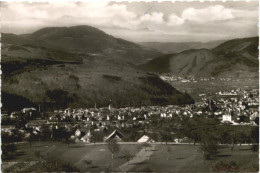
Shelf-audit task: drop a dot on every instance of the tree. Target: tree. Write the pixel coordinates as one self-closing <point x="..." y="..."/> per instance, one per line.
<point x="67" y="137"/>
<point x="165" y="136"/>
<point x="207" y="128"/>
<point x="243" y="118"/>
<point x="234" y="139"/>
<point x="113" y="147"/>
<point x="208" y="146"/>
<point x="191" y="129"/>
<point x="195" y="136"/>
<point x="225" y="137"/>
<point x="242" y="138"/>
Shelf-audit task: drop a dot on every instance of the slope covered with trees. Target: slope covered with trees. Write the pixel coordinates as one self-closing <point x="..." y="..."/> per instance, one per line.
<point x="79" y="66"/>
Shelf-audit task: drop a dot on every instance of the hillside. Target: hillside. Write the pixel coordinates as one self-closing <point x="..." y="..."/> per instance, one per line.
<point x="188" y="62"/>
<point x="38" y="70"/>
<point x="235" y="58"/>
<point x="82" y="40"/>
<point x="177" y="47"/>
<point x="245" y="45"/>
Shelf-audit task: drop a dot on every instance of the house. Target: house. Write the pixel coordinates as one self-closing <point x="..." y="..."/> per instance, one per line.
<point x="30" y="111"/>
<point x="145" y="138"/>
<point x="15" y="114"/>
<point x="226" y="118"/>
<point x="115" y="135"/>
<point x="86" y="138"/>
<point x="163" y="115"/>
<point x="77" y="133"/>
<point x="254" y="116"/>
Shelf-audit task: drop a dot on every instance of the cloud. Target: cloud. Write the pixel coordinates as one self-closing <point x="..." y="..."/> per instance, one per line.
<point x="175" y="20"/>
<point x="95" y="13"/>
<point x="191" y="22"/>
<point x="154" y="18"/>
<point x="210" y="13"/>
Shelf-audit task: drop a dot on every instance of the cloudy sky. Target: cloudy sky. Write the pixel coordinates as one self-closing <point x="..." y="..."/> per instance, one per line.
<point x="139" y="21"/>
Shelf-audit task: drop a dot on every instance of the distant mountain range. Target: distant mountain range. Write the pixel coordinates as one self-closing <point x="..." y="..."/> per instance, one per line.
<point x="236" y="58"/>
<point x="81" y="66"/>
<point x="79" y="40"/>
<point x="177" y="47"/>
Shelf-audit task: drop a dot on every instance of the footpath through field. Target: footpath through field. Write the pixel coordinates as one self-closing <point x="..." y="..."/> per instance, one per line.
<point x="140" y="157"/>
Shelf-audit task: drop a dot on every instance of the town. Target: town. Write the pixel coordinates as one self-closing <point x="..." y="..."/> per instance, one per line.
<point x="236" y="107"/>
<point x="233" y="113"/>
<point x="191" y="78"/>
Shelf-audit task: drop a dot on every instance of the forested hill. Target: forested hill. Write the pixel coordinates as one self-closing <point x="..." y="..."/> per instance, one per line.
<point x="79" y="66"/>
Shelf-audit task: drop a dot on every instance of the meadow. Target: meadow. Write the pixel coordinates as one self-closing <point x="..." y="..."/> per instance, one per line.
<point x="157" y="158"/>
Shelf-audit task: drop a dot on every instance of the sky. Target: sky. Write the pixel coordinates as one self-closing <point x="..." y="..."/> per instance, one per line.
<point x="138" y="21"/>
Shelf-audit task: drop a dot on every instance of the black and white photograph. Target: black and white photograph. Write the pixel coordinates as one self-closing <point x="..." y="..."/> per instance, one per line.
<point x="129" y="86"/>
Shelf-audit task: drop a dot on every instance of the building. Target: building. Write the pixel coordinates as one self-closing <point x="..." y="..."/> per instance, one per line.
<point x="226" y="118"/>
<point x="115" y="135"/>
<point x="144" y="139"/>
<point x="86" y="138"/>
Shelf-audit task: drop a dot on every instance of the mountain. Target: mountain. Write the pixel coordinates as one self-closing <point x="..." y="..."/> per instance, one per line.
<point x="186" y="63"/>
<point x="177" y="47"/>
<point x="244" y="45"/>
<point x="236" y="58"/>
<point x="79" y="66"/>
<point x="83" y="40"/>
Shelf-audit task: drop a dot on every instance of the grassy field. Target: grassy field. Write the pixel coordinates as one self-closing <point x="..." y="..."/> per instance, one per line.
<point x="188" y="158"/>
<point x="85" y="157"/>
<point x="163" y="158"/>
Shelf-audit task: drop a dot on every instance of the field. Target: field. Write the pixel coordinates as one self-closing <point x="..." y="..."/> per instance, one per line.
<point x="158" y="158"/>
<point x="77" y="154"/>
<point x="188" y="158"/>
